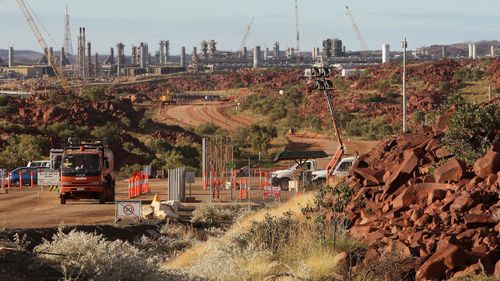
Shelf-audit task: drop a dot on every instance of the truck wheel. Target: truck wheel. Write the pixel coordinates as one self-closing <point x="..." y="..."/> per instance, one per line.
<point x="63" y="199"/>
<point x="102" y="197"/>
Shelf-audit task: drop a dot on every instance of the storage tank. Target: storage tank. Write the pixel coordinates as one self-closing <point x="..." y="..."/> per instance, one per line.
<point x="256" y="57"/>
<point x="386" y="50"/>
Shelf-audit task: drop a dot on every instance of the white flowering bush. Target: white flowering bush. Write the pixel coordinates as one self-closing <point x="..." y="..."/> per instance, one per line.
<point x="88" y="256"/>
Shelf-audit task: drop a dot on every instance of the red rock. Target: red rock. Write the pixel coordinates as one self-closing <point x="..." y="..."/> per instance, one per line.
<point x="446" y="258"/>
<point x="435" y="194"/>
<point x="462" y="203"/>
<point x="372" y="176"/>
<point x="488" y="164"/>
<point x="402" y="174"/>
<point x="491" y="179"/>
<point x="442" y="153"/>
<point x="479" y="220"/>
<point x="451" y="171"/>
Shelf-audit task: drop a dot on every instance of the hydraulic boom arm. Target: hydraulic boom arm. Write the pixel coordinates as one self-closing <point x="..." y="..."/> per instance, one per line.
<point x="340" y="151"/>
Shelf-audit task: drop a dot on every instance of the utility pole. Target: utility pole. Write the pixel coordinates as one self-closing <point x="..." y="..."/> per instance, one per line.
<point x="404" y="45"/>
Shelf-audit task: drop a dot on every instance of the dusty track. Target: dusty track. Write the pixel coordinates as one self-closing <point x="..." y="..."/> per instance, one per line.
<point x="34" y="208"/>
<point x="195" y="114"/>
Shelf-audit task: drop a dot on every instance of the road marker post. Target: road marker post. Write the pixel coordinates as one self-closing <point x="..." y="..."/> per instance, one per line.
<point x="32" y="179"/>
<point x="8" y="182"/>
<point x="20" y="179"/>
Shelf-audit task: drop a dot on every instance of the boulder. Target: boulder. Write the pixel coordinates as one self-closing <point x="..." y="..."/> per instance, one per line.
<point x="462" y="203"/>
<point x="451" y="171"/>
<point x="445" y="258"/>
<point x="488" y="164"/>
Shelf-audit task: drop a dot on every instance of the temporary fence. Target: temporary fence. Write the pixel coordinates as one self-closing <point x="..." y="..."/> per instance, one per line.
<point x="7" y="182"/>
<point x="138" y="184"/>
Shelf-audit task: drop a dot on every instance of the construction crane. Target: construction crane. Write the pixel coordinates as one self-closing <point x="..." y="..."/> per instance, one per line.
<point x="298" y="32"/>
<point x="246" y="35"/>
<point x="356" y="29"/>
<point x="41" y="41"/>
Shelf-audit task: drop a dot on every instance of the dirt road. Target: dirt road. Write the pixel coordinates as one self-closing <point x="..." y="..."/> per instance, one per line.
<point x="195" y="114"/>
<point x="34" y="208"/>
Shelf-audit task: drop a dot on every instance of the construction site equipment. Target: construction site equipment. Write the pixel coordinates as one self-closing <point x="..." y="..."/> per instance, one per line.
<point x="305" y="165"/>
<point x="356" y="29"/>
<point x="245" y="37"/>
<point x="43" y="45"/>
<point x="319" y="74"/>
<point x="87" y="171"/>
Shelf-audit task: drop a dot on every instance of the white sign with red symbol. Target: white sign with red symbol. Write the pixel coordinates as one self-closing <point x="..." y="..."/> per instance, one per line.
<point x="128" y="209"/>
<point x="272" y="191"/>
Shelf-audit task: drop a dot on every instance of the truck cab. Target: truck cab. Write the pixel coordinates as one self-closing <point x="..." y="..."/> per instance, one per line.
<point x="87" y="172"/>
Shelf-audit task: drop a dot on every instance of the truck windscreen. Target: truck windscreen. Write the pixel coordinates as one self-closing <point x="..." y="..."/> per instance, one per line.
<point x="87" y="164"/>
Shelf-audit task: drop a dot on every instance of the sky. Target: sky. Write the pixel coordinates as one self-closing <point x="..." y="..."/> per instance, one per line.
<point x="188" y="22"/>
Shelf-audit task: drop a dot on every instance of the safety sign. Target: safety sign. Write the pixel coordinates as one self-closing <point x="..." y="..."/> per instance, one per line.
<point x="128" y="209"/>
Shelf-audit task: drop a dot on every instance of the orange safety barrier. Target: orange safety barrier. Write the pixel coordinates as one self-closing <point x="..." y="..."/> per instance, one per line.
<point x="138" y="184"/>
<point x="20" y="179"/>
<point x="32" y="180"/>
<point x="205" y="180"/>
<point x="267" y="179"/>
<point x="146" y="183"/>
<point x="234" y="180"/>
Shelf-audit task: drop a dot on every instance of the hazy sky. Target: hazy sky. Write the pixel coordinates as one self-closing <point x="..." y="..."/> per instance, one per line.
<point x="188" y="22"/>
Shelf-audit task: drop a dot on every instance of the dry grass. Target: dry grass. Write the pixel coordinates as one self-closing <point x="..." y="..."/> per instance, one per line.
<point x="273" y="244"/>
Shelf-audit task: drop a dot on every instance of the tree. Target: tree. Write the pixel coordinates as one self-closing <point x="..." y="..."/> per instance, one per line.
<point x="21" y="149"/>
<point x="260" y="137"/>
<point x="472" y="129"/>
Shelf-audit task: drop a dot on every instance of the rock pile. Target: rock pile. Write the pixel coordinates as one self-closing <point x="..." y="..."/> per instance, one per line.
<point x="411" y="196"/>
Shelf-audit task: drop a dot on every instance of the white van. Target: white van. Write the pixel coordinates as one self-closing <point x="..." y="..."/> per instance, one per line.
<point x="37" y="164"/>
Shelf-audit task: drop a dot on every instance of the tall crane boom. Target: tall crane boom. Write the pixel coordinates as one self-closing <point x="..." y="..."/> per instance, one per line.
<point x="298" y="32"/>
<point x="38" y="35"/>
<point x="246" y="35"/>
<point x="356" y="29"/>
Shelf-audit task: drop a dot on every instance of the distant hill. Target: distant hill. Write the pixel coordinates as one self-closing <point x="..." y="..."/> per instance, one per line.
<point x="462" y="49"/>
<point x="21" y="56"/>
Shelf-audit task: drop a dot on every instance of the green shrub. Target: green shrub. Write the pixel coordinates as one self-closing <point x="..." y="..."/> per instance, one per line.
<point x="94" y="93"/>
<point x="418" y="118"/>
<point x="383" y="86"/>
<point x="472" y="130"/>
<point x="110" y="132"/>
<point x="272" y="234"/>
<point x="158" y="145"/>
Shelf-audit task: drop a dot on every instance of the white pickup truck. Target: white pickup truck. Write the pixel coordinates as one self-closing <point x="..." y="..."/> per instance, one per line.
<point x="282" y="177"/>
<point x="340" y="171"/>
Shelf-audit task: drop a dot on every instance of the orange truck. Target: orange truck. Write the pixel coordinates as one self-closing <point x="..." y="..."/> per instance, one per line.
<point x="87" y="172"/>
